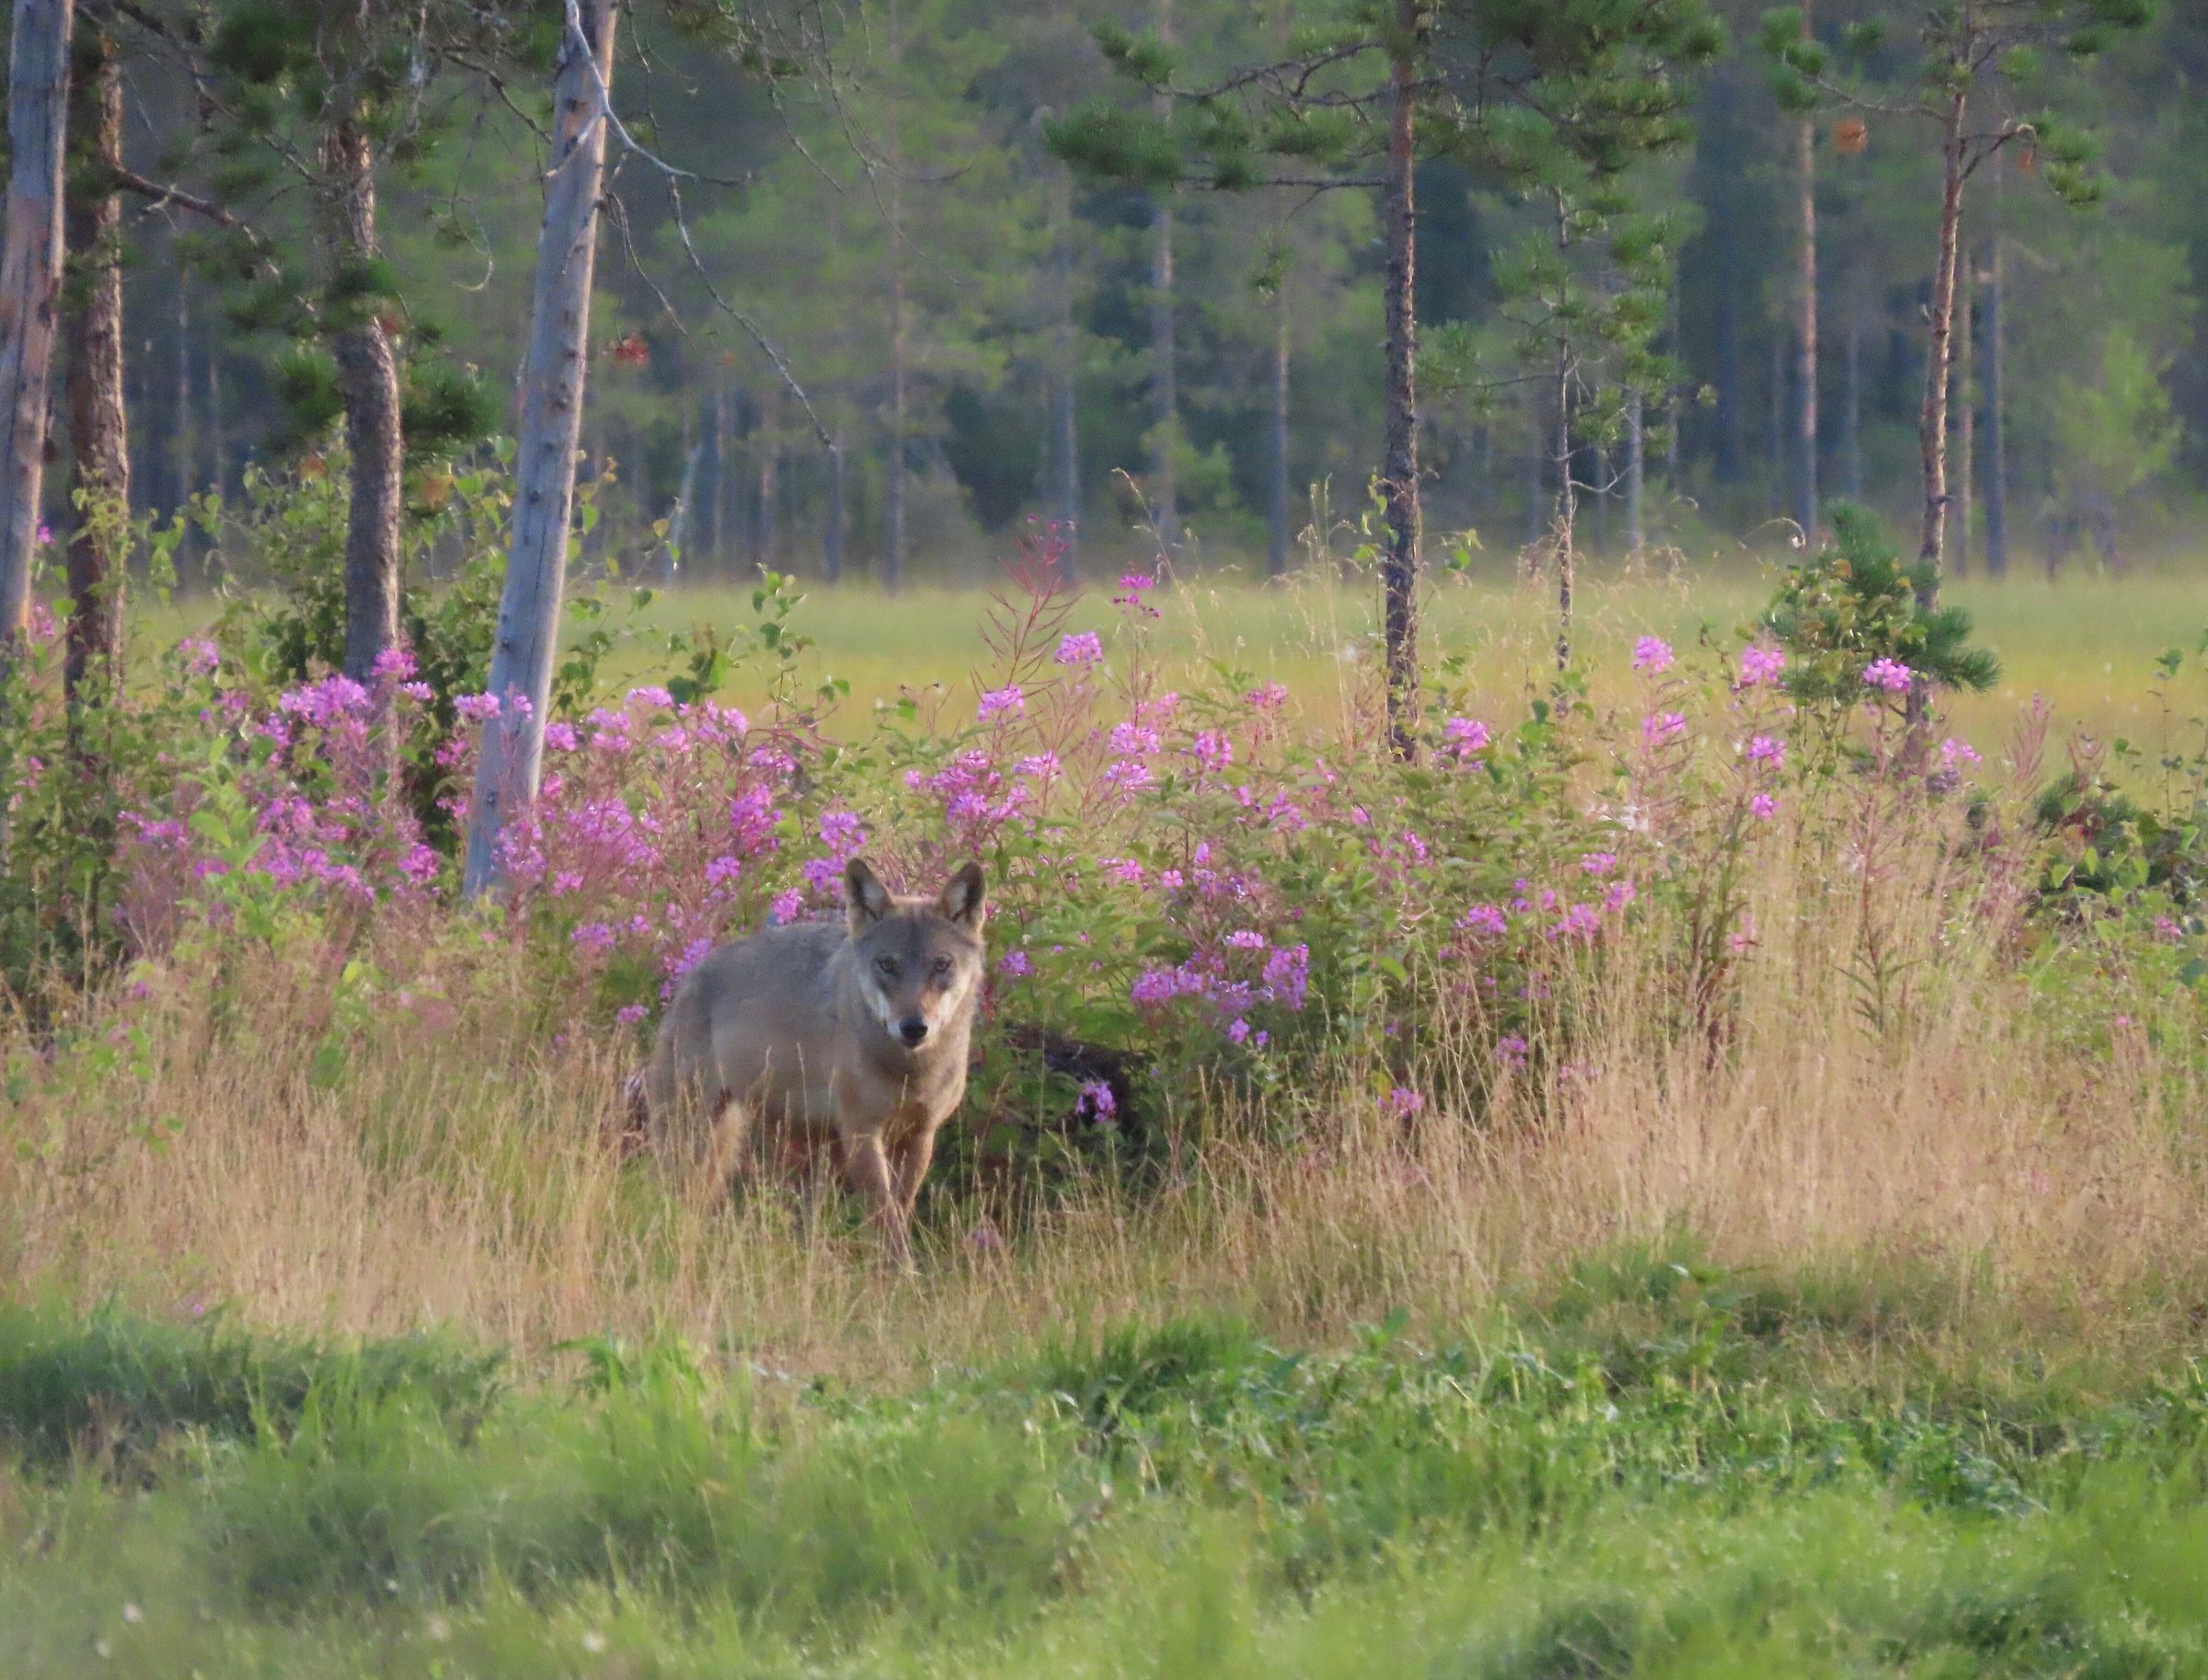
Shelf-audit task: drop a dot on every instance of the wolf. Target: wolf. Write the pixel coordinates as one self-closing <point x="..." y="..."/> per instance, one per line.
<point x="855" y="1037"/>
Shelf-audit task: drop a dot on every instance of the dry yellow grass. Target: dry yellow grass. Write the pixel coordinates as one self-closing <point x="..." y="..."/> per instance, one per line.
<point x="455" y="1173"/>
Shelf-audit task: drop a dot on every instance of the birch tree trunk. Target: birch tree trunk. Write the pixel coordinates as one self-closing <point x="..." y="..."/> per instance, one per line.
<point x="552" y="391"/>
<point x="368" y="382"/>
<point x="30" y="277"/>
<point x="1851" y="423"/>
<point x="1400" y="466"/>
<point x="99" y="458"/>
<point x="1963" y="399"/>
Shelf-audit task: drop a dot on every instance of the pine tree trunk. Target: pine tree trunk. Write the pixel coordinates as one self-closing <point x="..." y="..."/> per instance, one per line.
<point x="770" y="474"/>
<point x="892" y="493"/>
<point x="1932" y="422"/>
<point x="30" y="278"/>
<point x="1164" y="372"/>
<point x="368" y="383"/>
<point x="99" y="499"/>
<point x="1065" y="387"/>
<point x="1731" y="410"/>
<point x="552" y="393"/>
<point x="1637" y="536"/>
<point x="1780" y="427"/>
<point x="711" y="534"/>
<point x="1276" y="534"/>
<point x="1805" y="373"/>
<point x="1997" y="427"/>
<point x="832" y="534"/>
<point x="1851" y="425"/>
<point x="1964" y="401"/>
<point x="1400" y="468"/>
<point x="182" y="456"/>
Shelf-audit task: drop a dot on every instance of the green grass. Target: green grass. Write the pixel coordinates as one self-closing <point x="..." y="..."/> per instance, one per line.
<point x="2086" y="643"/>
<point x="1654" y="1468"/>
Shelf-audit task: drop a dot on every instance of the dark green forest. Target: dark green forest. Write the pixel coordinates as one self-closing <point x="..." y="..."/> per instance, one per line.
<point x="873" y="191"/>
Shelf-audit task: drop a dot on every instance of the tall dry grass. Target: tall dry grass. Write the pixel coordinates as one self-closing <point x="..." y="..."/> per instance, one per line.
<point x="1879" y="1088"/>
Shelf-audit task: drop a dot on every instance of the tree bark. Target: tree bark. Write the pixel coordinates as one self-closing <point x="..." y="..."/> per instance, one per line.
<point x="1277" y="499"/>
<point x="1568" y="507"/>
<point x="770" y="475"/>
<point x="1805" y="373"/>
<point x="1780" y="427"/>
<point x="1400" y="468"/>
<point x="368" y="383"/>
<point x="552" y="393"/>
<point x="832" y="534"/>
<point x="1851" y="425"/>
<point x="30" y="278"/>
<point x="893" y="494"/>
<point x="1065" y="387"/>
<point x="1932" y="422"/>
<point x="99" y="459"/>
<point x="1997" y="425"/>
<point x="1732" y="410"/>
<point x="1637" y="536"/>
<point x="1165" y="373"/>
<point x="1962" y="398"/>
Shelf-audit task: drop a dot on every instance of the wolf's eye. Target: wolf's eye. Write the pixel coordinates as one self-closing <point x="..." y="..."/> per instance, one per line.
<point x="942" y="969"/>
<point x="888" y="965"/>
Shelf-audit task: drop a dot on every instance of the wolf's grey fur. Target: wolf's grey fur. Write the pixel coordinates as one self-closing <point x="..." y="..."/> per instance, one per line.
<point x="855" y="1037"/>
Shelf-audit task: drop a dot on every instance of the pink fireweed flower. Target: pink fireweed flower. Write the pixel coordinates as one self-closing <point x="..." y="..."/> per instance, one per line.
<point x="629" y="1015"/>
<point x="1038" y="766"/>
<point x="421" y="694"/>
<point x="592" y="936"/>
<point x="1954" y="753"/>
<point x="1511" y="1051"/>
<point x="1125" y="870"/>
<point x="1133" y="738"/>
<point x="476" y="707"/>
<point x="1213" y="751"/>
<point x="1762" y="805"/>
<point x="1598" y="863"/>
<point x="1401" y="1103"/>
<point x="2168" y="931"/>
<point x="1016" y="964"/>
<point x="560" y="737"/>
<point x="1579" y="921"/>
<point x="1128" y="775"/>
<point x="1007" y="699"/>
<point x="1097" y="1100"/>
<point x="395" y="661"/>
<point x="1246" y="939"/>
<point x="841" y="833"/>
<point x="200" y="657"/>
<point x="1267" y="696"/>
<point x="1760" y="664"/>
<point x="45" y="534"/>
<point x="786" y="906"/>
<point x="653" y="696"/>
<point x="1657" y="728"/>
<point x="1288" y="976"/>
<point x="1889" y="674"/>
<point x="1135" y="582"/>
<point x="1079" y="648"/>
<point x="1763" y="750"/>
<point x="1652" y="654"/>
<point x="1621" y="893"/>
<point x="1462" y="737"/>
<point x="1238" y="1031"/>
<point x="1484" y="919"/>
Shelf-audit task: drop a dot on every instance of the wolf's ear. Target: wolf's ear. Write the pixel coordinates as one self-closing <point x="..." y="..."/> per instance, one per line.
<point x="964" y="898"/>
<point x="866" y="899"/>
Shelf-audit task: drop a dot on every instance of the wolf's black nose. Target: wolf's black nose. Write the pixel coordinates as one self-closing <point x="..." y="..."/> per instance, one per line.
<point x="912" y="1029"/>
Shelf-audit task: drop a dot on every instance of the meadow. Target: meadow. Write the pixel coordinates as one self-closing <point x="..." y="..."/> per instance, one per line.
<point x="1700" y="1211"/>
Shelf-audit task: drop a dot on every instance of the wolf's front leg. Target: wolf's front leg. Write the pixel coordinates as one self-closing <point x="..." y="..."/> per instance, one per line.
<point x="870" y="1176"/>
<point x="910" y="1159"/>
